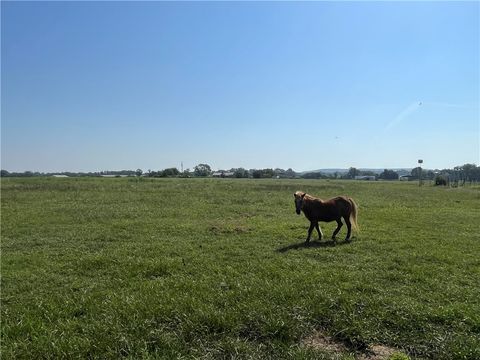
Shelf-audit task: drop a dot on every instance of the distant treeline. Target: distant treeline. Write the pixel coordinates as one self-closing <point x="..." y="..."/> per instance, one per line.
<point x="459" y="174"/>
<point x="5" y="173"/>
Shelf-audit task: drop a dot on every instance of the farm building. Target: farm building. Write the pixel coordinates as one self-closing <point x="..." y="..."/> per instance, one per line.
<point x="223" y="174"/>
<point x="365" y="177"/>
<point x="405" y="178"/>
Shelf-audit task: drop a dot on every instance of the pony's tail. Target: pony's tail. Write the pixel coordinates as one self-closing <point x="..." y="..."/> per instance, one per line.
<point x="353" y="215"/>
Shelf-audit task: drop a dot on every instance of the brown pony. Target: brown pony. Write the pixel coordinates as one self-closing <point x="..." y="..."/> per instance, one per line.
<point x="334" y="209"/>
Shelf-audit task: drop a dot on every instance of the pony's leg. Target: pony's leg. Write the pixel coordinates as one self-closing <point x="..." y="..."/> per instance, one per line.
<point x="320" y="234"/>
<point x="339" y="226"/>
<point x="349" y="228"/>
<point x="310" y="229"/>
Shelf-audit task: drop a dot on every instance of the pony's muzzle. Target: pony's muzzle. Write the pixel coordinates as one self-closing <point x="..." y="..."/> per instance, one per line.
<point x="298" y="212"/>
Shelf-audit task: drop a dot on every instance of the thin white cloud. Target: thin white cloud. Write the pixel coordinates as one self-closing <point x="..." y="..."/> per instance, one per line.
<point x="404" y="114"/>
<point x="415" y="106"/>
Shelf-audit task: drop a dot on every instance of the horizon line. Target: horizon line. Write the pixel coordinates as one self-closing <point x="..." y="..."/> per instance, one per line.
<point x="224" y="169"/>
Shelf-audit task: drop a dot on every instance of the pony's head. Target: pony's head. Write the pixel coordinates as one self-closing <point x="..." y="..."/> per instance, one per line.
<point x="299" y="196"/>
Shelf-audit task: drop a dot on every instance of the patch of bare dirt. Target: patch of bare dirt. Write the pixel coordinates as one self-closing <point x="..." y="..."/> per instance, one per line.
<point x="377" y="352"/>
<point x="320" y="341"/>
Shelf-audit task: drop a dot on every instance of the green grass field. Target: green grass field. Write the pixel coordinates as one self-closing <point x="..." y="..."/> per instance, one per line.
<point x="204" y="268"/>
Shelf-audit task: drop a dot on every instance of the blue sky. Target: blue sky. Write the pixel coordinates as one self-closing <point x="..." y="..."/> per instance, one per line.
<point x="89" y="86"/>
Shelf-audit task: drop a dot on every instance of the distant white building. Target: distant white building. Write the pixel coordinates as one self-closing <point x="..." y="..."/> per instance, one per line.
<point x="365" y="177"/>
<point x="60" y="176"/>
<point x="222" y="174"/>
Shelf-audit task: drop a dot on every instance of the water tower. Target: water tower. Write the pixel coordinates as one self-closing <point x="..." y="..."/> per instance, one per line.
<point x="420" y="161"/>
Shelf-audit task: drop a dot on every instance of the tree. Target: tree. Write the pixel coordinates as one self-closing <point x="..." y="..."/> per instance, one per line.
<point x="139" y="172"/>
<point x="240" y="173"/>
<point x="388" y="175"/>
<point x="263" y="173"/>
<point x="170" y="172"/>
<point x="257" y="174"/>
<point x="475" y="173"/>
<point x="416" y="172"/>
<point x="290" y="173"/>
<point x="469" y="171"/>
<point x="429" y="175"/>
<point x="4" y="173"/>
<point x="202" y="170"/>
<point x="441" y="180"/>
<point x="352" y="172"/>
<point x="268" y="173"/>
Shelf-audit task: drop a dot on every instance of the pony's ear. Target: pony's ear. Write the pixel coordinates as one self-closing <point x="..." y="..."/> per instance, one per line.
<point x="303" y="195"/>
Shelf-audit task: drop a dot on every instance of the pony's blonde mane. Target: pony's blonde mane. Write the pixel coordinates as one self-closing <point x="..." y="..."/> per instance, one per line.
<point x="306" y="196"/>
<point x="310" y="197"/>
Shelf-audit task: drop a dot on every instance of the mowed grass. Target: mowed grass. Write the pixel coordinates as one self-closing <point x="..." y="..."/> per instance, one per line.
<point x="205" y="268"/>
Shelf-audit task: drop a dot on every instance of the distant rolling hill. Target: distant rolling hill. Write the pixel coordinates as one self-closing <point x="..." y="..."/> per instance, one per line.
<point x="400" y="171"/>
